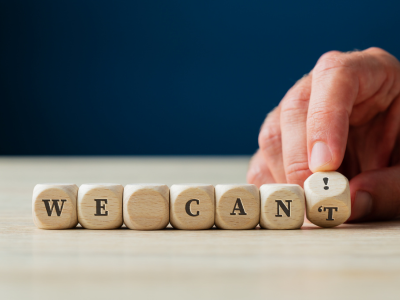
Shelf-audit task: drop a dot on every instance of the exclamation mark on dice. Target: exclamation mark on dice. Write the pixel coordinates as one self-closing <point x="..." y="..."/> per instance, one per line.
<point x="326" y="179"/>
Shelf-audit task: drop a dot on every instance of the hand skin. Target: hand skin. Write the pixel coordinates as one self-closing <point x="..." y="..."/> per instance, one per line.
<point x="345" y="116"/>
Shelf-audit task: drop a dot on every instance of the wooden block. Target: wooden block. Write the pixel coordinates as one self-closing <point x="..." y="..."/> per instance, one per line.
<point x="100" y="205"/>
<point x="146" y="206"/>
<point x="282" y="206"/>
<point x="237" y="206"/>
<point x="327" y="198"/>
<point x="54" y="206"/>
<point x="192" y="206"/>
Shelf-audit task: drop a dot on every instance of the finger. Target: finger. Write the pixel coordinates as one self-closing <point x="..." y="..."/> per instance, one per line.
<point x="293" y="119"/>
<point x="375" y="195"/>
<point x="373" y="145"/>
<point x="270" y="144"/>
<point x="368" y="106"/>
<point x="259" y="172"/>
<point x="341" y="81"/>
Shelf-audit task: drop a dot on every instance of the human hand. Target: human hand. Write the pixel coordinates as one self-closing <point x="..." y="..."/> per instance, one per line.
<point x="344" y="115"/>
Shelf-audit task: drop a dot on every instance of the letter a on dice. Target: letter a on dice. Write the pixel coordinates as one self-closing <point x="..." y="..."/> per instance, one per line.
<point x="237" y="206"/>
<point x="328" y="198"/>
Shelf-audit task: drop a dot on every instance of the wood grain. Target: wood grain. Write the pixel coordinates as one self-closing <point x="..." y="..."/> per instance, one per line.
<point x="192" y="206"/>
<point x="328" y="202"/>
<point x="289" y="195"/>
<point x="357" y="261"/>
<point x="237" y="206"/>
<point x="100" y="205"/>
<point x="146" y="206"/>
<point x="61" y="212"/>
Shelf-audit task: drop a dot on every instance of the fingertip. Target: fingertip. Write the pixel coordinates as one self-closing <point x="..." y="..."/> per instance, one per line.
<point x="320" y="157"/>
<point x="324" y="158"/>
<point x="361" y="206"/>
<point x="375" y="195"/>
<point x="258" y="172"/>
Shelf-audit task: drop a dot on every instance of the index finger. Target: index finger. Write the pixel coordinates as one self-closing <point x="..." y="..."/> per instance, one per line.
<point x="341" y="81"/>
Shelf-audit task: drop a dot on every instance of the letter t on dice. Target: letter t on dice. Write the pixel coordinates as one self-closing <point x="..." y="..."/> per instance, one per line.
<point x="327" y="198"/>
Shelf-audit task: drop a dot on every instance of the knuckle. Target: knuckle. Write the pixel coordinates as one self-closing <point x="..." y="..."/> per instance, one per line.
<point x="335" y="61"/>
<point x="318" y="114"/>
<point x="377" y="51"/>
<point x="330" y="55"/>
<point x="296" y="100"/>
<point x="252" y="178"/>
<point x="297" y="171"/>
<point x="294" y="106"/>
<point x="258" y="172"/>
<point x="270" y="138"/>
<point x="324" y="121"/>
<point x="329" y="60"/>
<point x="252" y="175"/>
<point x="298" y="96"/>
<point x="317" y="121"/>
<point x="270" y="134"/>
<point x="385" y="58"/>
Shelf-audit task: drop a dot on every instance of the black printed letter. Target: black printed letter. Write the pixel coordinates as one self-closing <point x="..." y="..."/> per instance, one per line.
<point x="187" y="207"/>
<point x="99" y="207"/>
<point x="55" y="205"/>
<point x="330" y="212"/>
<point x="240" y="208"/>
<point x="282" y="205"/>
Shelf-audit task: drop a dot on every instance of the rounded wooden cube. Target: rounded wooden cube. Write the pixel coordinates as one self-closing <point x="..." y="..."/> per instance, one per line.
<point x="146" y="206"/>
<point x="100" y="205"/>
<point x="237" y="206"/>
<point x="282" y="206"/>
<point x="54" y="206"/>
<point x="327" y="198"/>
<point x="192" y="206"/>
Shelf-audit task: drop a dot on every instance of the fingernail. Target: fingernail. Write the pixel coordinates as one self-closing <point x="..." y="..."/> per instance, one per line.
<point x="320" y="155"/>
<point x="362" y="205"/>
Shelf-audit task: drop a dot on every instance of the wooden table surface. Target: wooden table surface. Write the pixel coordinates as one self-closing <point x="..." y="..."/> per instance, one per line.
<point x="359" y="261"/>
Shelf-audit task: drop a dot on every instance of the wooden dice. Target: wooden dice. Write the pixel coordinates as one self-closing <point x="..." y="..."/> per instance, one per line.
<point x="146" y="206"/>
<point x="282" y="206"/>
<point x="100" y="206"/>
<point x="192" y="206"/>
<point x="237" y="206"/>
<point x="328" y="198"/>
<point x="54" y="206"/>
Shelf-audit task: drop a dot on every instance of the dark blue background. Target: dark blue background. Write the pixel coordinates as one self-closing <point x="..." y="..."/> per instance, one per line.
<point x="165" y="77"/>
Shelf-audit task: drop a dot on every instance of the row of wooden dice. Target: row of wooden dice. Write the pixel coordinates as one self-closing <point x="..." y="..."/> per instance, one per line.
<point x="326" y="198"/>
